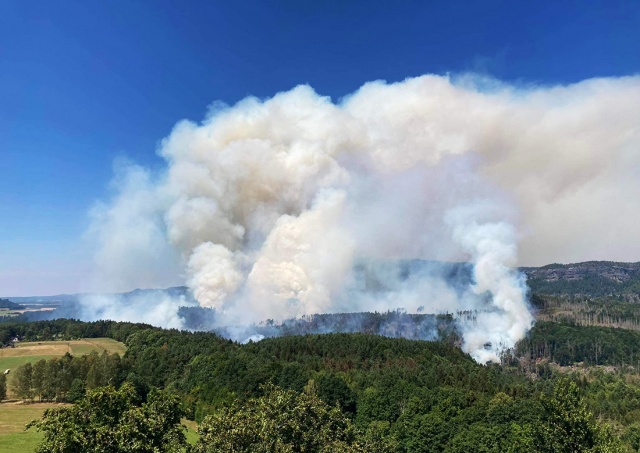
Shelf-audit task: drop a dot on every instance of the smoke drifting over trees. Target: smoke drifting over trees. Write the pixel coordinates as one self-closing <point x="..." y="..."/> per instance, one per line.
<point x="272" y="208"/>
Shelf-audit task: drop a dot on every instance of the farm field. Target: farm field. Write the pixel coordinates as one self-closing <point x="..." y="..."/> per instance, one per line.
<point x="11" y="358"/>
<point x="56" y="348"/>
<point x="7" y="312"/>
<point x="11" y="313"/>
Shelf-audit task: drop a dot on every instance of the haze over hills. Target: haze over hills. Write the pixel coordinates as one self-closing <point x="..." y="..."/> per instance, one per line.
<point x="613" y="287"/>
<point x="375" y="378"/>
<point x="590" y="278"/>
<point x="63" y="299"/>
<point x="9" y="305"/>
<point x="296" y="205"/>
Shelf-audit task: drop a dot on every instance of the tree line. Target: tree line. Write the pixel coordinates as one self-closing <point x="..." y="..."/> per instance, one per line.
<point x="66" y="378"/>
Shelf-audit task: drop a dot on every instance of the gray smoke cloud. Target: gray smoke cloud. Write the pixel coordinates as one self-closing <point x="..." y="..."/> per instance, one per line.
<point x="267" y="208"/>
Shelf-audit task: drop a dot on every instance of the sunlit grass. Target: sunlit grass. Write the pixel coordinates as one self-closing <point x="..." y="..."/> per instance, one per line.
<point x="13" y="418"/>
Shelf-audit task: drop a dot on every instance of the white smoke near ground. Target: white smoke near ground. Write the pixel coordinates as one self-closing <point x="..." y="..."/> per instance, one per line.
<point x="268" y="208"/>
<point x="151" y="307"/>
<point x="492" y="249"/>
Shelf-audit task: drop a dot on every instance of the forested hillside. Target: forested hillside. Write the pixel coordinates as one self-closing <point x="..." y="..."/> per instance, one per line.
<point x="401" y="395"/>
<point x="591" y="278"/>
<point x="571" y="385"/>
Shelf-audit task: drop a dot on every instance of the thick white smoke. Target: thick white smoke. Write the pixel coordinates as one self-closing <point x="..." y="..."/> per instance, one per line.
<point x="267" y="206"/>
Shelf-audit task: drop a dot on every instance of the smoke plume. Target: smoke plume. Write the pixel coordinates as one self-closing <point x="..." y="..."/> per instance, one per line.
<point x="297" y="205"/>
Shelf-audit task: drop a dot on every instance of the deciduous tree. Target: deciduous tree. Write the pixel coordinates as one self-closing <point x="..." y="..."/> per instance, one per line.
<point x="3" y="386"/>
<point x="113" y="421"/>
<point x="280" y="421"/>
<point x="568" y="426"/>
<point x="22" y="381"/>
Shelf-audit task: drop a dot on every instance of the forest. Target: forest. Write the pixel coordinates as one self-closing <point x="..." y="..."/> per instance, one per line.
<point x="364" y="392"/>
<point x="572" y="385"/>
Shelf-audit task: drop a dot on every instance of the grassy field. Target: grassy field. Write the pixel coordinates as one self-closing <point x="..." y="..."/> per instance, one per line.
<point x="13" y="418"/>
<point x="11" y="358"/>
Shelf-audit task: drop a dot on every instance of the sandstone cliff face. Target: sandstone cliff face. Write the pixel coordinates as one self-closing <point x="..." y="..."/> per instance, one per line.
<point x="616" y="272"/>
<point x="591" y="279"/>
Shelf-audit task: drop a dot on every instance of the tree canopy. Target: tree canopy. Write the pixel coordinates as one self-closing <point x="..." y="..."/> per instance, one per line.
<point x="107" y="420"/>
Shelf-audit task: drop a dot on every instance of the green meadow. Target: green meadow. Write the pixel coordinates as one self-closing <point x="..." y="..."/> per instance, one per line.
<point x="13" y="418"/>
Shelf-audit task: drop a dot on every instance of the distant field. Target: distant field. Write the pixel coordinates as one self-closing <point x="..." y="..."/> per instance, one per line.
<point x="11" y="358"/>
<point x="10" y="313"/>
<point x="58" y="348"/>
<point x="7" y="312"/>
<point x="12" y="363"/>
<point x="13" y="418"/>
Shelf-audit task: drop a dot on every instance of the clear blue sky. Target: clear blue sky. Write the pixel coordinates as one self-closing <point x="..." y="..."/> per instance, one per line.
<point x="82" y="82"/>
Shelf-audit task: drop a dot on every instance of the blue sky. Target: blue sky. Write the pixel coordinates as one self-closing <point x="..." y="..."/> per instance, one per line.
<point x="85" y="82"/>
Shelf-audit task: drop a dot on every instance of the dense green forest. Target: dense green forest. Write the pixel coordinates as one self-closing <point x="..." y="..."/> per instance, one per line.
<point x="567" y="344"/>
<point x="573" y="384"/>
<point x="366" y="392"/>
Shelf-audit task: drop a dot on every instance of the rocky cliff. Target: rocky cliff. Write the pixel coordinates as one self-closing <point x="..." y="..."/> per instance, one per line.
<point x="593" y="278"/>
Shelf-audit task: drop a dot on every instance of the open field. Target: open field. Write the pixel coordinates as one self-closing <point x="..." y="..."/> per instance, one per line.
<point x="10" y="313"/>
<point x="12" y="363"/>
<point x="11" y="358"/>
<point x="13" y="418"/>
<point x="55" y="348"/>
